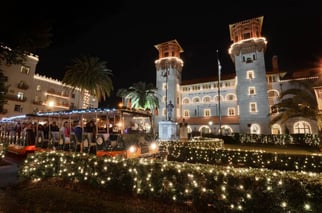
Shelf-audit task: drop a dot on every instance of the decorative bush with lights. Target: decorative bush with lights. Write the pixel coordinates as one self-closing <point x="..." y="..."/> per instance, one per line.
<point x="206" y="186"/>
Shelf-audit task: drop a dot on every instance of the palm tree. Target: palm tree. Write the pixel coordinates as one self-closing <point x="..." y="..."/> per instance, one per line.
<point x="299" y="101"/>
<point x="141" y="95"/>
<point x="91" y="74"/>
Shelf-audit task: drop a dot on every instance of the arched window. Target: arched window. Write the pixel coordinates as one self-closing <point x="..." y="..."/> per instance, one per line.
<point x="255" y="129"/>
<point x="276" y="129"/>
<point x="226" y="130"/>
<point x="217" y="98"/>
<point x="273" y="94"/>
<point x="230" y="97"/>
<point x="195" y="100"/>
<point x="185" y="101"/>
<point x="206" y="99"/>
<point x="186" y="113"/>
<point x="302" y="127"/>
<point x="204" y="129"/>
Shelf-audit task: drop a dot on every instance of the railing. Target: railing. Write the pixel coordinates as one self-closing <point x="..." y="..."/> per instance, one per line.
<point x="15" y="98"/>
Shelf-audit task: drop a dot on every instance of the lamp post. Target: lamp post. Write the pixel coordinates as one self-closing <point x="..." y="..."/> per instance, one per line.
<point x="165" y="74"/>
<point x="219" y="76"/>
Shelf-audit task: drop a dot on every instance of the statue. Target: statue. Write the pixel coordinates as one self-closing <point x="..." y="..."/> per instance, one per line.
<point x="170" y="107"/>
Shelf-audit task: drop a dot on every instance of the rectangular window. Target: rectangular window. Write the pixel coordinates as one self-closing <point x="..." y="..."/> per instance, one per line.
<point x="164" y="86"/>
<point x="38" y="88"/>
<point x="186" y="113"/>
<point x="250" y="75"/>
<point x="231" y="111"/>
<point x="251" y="91"/>
<point x="252" y="107"/>
<point x="25" y="69"/>
<point x="207" y="113"/>
<point x="18" y="108"/>
<point x="20" y="95"/>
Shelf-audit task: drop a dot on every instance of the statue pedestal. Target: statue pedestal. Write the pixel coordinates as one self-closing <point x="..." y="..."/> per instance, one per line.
<point x="167" y="130"/>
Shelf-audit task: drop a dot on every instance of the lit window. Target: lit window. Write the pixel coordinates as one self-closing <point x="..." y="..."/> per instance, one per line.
<point x="207" y="112"/>
<point x="250" y="75"/>
<point x="185" y="101"/>
<point x="217" y="98"/>
<point x="302" y="127"/>
<point x="196" y="100"/>
<point x="164" y="86"/>
<point x="38" y="88"/>
<point x="206" y="99"/>
<point x="230" y="97"/>
<point x="231" y="111"/>
<point x="20" y="95"/>
<point x="252" y="107"/>
<point x="25" y="69"/>
<point x="251" y="91"/>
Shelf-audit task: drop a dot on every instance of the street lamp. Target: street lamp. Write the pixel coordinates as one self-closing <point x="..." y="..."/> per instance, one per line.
<point x="165" y="74"/>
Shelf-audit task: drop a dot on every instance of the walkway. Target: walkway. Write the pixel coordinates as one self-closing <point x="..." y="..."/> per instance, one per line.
<point x="8" y="174"/>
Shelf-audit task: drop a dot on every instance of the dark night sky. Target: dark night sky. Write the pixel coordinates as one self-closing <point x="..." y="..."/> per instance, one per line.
<point x="124" y="34"/>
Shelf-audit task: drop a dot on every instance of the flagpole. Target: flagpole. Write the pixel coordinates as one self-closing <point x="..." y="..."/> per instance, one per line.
<point x="219" y="107"/>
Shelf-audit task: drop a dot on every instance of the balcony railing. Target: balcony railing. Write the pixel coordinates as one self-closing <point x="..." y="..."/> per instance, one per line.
<point x="37" y="102"/>
<point x="56" y="94"/>
<point x="22" y="85"/>
<point x="15" y="98"/>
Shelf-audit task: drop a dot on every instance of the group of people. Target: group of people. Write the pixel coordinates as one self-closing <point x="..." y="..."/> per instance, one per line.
<point x="26" y="133"/>
<point x="77" y="129"/>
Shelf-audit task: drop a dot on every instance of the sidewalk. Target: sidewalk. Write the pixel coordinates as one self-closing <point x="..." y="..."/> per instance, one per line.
<point x="8" y="174"/>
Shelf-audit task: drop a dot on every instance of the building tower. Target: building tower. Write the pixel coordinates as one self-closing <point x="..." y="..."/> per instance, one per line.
<point x="168" y="79"/>
<point x="247" y="53"/>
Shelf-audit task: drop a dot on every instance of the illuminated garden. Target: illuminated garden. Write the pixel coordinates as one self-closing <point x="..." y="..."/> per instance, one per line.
<point x="197" y="174"/>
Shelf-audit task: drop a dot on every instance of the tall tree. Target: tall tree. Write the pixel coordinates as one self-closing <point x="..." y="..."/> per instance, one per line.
<point x="141" y="94"/>
<point x="298" y="101"/>
<point x="91" y="74"/>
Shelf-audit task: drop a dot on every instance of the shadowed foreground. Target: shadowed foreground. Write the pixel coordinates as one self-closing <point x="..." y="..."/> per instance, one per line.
<point x="55" y="195"/>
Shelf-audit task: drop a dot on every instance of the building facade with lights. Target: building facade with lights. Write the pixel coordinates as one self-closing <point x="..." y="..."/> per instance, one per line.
<point x="231" y="103"/>
<point x="29" y="92"/>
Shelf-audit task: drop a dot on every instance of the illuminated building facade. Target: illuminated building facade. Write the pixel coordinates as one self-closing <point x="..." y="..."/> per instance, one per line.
<point x="232" y="103"/>
<point x="29" y="92"/>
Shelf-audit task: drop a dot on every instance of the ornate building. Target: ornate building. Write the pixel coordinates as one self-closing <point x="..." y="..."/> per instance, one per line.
<point x="29" y="92"/>
<point x="230" y="103"/>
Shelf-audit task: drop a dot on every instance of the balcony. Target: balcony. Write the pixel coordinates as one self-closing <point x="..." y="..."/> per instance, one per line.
<point x="15" y="98"/>
<point x="22" y="85"/>
<point x="37" y="102"/>
<point x="52" y="92"/>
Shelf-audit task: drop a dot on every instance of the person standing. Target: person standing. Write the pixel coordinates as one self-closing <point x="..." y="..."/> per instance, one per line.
<point x="78" y="131"/>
